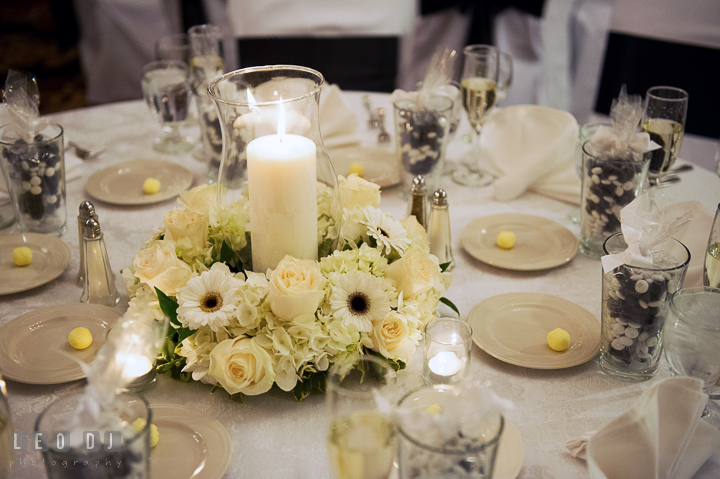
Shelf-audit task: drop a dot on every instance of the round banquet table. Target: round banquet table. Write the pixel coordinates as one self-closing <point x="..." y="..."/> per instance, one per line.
<point x="272" y="435"/>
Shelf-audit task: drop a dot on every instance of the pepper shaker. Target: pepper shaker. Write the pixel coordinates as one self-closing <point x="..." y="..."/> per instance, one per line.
<point x="85" y="212"/>
<point x="439" y="229"/>
<point x="418" y="200"/>
<point x="99" y="284"/>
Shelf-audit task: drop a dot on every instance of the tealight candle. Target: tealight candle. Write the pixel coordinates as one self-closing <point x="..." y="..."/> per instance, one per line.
<point x="446" y="354"/>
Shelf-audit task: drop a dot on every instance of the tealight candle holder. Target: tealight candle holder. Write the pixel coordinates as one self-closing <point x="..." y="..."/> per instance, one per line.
<point x="446" y="355"/>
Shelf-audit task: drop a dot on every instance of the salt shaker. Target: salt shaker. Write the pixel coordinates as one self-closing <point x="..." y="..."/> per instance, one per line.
<point x="99" y="285"/>
<point x="418" y="200"/>
<point x="85" y="212"/>
<point x="439" y="229"/>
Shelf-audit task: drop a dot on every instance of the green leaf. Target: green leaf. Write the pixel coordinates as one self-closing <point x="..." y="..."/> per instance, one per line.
<point x="238" y="397"/>
<point x="169" y="306"/>
<point x="445" y="266"/>
<point x="310" y="382"/>
<point x="450" y="304"/>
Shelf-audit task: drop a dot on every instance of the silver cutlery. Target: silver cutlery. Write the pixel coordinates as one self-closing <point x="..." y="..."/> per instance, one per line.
<point x="373" y="121"/>
<point x="383" y="136"/>
<point x="666" y="181"/>
<point x="681" y="169"/>
<point x="84" y="153"/>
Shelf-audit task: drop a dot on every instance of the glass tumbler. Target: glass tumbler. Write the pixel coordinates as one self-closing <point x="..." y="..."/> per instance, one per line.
<point x="446" y="354"/>
<point x="442" y="435"/>
<point x="74" y="444"/>
<point x="608" y="185"/>
<point x="635" y="302"/>
<point x="421" y="133"/>
<point x="36" y="178"/>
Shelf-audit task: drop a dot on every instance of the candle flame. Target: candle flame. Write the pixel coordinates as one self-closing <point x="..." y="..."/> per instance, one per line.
<point x="251" y="101"/>
<point x="281" y="119"/>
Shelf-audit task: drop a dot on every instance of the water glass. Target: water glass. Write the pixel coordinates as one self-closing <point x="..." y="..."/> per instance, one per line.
<point x="664" y="120"/>
<point x="443" y="435"/>
<point x="75" y="445"/>
<point x="166" y="88"/>
<point x="361" y="441"/>
<point x="421" y="133"/>
<point x="711" y="268"/>
<point x="446" y="354"/>
<point x="608" y="185"/>
<point x="635" y="302"/>
<point x="35" y="171"/>
<point x="173" y="47"/>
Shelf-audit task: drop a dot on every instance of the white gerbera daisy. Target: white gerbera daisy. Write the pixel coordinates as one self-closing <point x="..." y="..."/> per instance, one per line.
<point x="209" y="300"/>
<point x="389" y="234"/>
<point x="359" y="298"/>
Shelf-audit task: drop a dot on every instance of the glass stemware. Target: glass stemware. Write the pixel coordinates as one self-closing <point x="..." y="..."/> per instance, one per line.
<point x="167" y="93"/>
<point x="711" y="268"/>
<point x="173" y="47"/>
<point x="664" y="120"/>
<point x="505" y="75"/>
<point x="479" y="84"/>
<point x="692" y="335"/>
<point x="361" y="443"/>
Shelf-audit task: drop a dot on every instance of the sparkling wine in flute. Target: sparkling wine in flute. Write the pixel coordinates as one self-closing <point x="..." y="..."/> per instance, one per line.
<point x="167" y="93"/>
<point x="479" y="96"/>
<point x="712" y="266"/>
<point x="204" y="69"/>
<point x="669" y="135"/>
<point x="361" y="446"/>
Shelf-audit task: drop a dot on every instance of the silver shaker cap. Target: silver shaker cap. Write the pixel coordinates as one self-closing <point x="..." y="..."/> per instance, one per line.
<point x="440" y="198"/>
<point x="91" y="229"/>
<point x="87" y="210"/>
<point x="418" y="185"/>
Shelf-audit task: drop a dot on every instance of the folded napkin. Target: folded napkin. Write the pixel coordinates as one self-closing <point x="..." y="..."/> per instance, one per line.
<point x="661" y="437"/>
<point x="337" y="123"/>
<point x="530" y="147"/>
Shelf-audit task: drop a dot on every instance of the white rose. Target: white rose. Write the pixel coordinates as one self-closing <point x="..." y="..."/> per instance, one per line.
<point x="391" y="337"/>
<point x="296" y="287"/>
<point x="356" y="191"/>
<point x="186" y="223"/>
<point x="242" y="366"/>
<point x="203" y="199"/>
<point x="159" y="267"/>
<point x="416" y="232"/>
<point x="414" y="273"/>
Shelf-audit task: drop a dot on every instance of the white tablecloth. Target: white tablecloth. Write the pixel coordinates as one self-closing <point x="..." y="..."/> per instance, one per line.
<point x="272" y="435"/>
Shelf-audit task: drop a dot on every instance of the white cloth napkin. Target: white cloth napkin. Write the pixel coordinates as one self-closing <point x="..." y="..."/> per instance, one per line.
<point x="661" y="437"/>
<point x="530" y="147"/>
<point x="337" y="123"/>
<point x="695" y="238"/>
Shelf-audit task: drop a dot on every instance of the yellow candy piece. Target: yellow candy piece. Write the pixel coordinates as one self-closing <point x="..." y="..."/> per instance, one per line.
<point x="80" y="338"/>
<point x="506" y="239"/>
<point x="139" y="424"/>
<point x="558" y="339"/>
<point x="434" y="409"/>
<point x="22" y="256"/>
<point x="356" y="168"/>
<point x="151" y="186"/>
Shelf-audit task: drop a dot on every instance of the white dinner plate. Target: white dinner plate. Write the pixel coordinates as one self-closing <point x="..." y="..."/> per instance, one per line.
<point x="380" y="165"/>
<point x="540" y="243"/>
<point x="510" y="454"/>
<point x="50" y="257"/>
<point x="513" y="328"/>
<point x="192" y="444"/>
<point x="34" y="347"/>
<point x="122" y="184"/>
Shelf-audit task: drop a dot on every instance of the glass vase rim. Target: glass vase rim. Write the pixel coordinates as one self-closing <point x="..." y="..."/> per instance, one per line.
<point x="651" y="93"/>
<point x="692" y="290"/>
<point x="318" y="85"/>
<point x="399" y="104"/>
<point x="205" y="29"/>
<point x="641" y="158"/>
<point x="42" y="142"/>
<point x="495" y="440"/>
<point x="480" y="49"/>
<point x="165" y="63"/>
<point x="466" y="329"/>
<point x="80" y="393"/>
<point x="683" y="264"/>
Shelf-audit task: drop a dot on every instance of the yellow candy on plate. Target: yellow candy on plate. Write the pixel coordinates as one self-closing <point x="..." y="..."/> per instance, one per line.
<point x="22" y="256"/>
<point x="139" y="424"/>
<point x="558" y="339"/>
<point x="506" y="239"/>
<point x="80" y="338"/>
<point x="356" y="168"/>
<point x="151" y="186"/>
<point x="434" y="409"/>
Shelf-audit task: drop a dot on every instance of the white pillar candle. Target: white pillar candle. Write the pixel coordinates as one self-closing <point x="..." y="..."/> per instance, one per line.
<point x="282" y="186"/>
<point x="135" y="365"/>
<point x="445" y="363"/>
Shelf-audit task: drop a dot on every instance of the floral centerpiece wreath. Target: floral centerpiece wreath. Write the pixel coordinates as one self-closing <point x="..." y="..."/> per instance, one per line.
<point x="244" y="331"/>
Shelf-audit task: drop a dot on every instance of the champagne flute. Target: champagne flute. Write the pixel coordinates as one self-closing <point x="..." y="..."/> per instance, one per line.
<point x="664" y="120"/>
<point x="361" y="442"/>
<point x="167" y="93"/>
<point x="711" y="269"/>
<point x="505" y="75"/>
<point x="479" y="82"/>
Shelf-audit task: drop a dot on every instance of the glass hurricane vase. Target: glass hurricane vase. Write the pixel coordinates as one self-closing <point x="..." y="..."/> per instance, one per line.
<point x="273" y="149"/>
